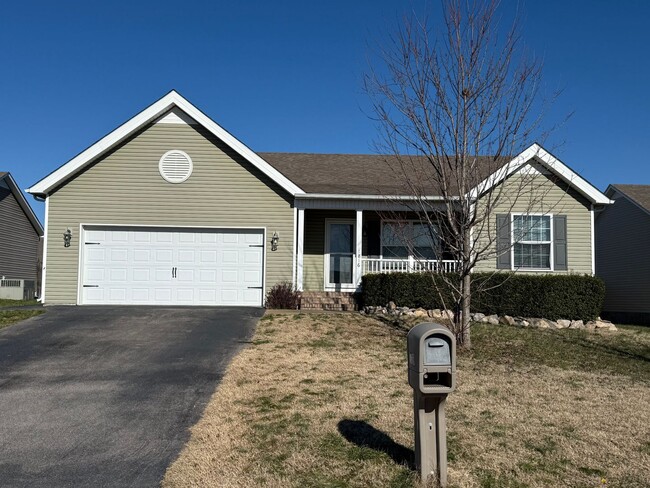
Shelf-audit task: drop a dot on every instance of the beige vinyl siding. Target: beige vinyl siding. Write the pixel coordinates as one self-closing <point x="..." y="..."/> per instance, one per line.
<point x="19" y="240"/>
<point x="543" y="195"/>
<point x="125" y="187"/>
<point x="622" y="244"/>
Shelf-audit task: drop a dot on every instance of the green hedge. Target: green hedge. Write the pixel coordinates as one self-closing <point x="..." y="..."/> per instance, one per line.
<point x="575" y="297"/>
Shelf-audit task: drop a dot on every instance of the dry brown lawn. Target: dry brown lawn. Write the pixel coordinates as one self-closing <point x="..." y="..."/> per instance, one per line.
<point x="322" y="400"/>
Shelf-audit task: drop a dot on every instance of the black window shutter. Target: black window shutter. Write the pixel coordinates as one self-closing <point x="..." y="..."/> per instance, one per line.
<point x="559" y="242"/>
<point x="503" y="241"/>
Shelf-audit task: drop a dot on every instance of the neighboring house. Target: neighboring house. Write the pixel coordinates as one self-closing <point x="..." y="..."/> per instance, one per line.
<point x="20" y="242"/>
<point x="622" y="245"/>
<point x="170" y="208"/>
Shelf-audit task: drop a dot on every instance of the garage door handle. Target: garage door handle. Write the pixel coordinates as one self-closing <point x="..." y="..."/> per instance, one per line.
<point x="256" y="245"/>
<point x="254" y="287"/>
<point x="91" y="286"/>
<point x="174" y="272"/>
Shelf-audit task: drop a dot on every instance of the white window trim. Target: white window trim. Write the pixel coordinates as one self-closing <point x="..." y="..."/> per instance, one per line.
<point x="327" y="286"/>
<point x="513" y="242"/>
<point x="381" y="236"/>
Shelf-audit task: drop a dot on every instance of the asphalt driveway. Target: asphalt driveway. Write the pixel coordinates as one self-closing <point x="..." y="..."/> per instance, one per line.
<point x="104" y="396"/>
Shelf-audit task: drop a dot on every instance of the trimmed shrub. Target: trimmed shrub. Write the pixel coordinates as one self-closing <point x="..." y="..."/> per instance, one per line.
<point x="283" y="295"/>
<point x="574" y="297"/>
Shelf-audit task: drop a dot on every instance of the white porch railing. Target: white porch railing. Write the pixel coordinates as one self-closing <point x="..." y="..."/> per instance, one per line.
<point x="389" y="265"/>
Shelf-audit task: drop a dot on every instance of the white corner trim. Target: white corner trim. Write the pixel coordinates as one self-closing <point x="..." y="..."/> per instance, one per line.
<point x="45" y="244"/>
<point x="294" y="252"/>
<point x="300" y="225"/>
<point x="166" y="103"/>
<point x="593" y="243"/>
<point x="549" y="161"/>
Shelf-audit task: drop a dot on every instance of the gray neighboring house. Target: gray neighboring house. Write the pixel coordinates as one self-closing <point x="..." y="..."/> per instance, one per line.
<point x="622" y="245"/>
<point x="20" y="242"/>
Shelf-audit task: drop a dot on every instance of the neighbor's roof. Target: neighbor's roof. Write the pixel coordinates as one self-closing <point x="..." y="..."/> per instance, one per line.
<point x="639" y="194"/>
<point x="22" y="201"/>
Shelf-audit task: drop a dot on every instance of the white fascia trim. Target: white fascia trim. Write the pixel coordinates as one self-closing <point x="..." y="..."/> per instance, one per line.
<point x="172" y="99"/>
<point x="45" y="245"/>
<point x="551" y="162"/>
<point x="344" y="196"/>
<point x="593" y="242"/>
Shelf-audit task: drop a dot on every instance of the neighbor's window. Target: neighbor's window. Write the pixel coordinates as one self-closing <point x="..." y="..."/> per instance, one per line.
<point x="532" y="241"/>
<point x="399" y="237"/>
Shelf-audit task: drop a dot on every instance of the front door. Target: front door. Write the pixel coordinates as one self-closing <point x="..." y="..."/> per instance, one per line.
<point x="339" y="254"/>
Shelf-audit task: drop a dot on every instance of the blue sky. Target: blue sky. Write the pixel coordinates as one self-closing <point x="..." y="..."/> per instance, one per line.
<point x="286" y="75"/>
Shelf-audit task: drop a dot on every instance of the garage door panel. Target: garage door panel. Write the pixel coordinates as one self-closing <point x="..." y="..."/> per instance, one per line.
<point x="141" y="255"/>
<point x="140" y="295"/>
<point x="118" y="274"/>
<point x="164" y="256"/>
<point x="162" y="237"/>
<point x="188" y="267"/>
<point x="95" y="254"/>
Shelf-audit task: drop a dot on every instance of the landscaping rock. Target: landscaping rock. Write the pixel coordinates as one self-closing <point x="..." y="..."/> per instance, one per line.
<point x="492" y="319"/>
<point x="477" y="317"/>
<point x="420" y="312"/>
<point x="507" y="320"/>
<point x="591" y="325"/>
<point x="522" y="322"/>
<point x="391" y="305"/>
<point x="604" y="324"/>
<point x="448" y="314"/>
<point x="539" y="323"/>
<point x="577" y="324"/>
<point x="563" y="324"/>
<point x="435" y="313"/>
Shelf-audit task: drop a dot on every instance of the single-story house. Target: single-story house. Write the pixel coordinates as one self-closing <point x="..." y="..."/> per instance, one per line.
<point x="622" y="245"/>
<point x="170" y="208"/>
<point x="20" y="242"/>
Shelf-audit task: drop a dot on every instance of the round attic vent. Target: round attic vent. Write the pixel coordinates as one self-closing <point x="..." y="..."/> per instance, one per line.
<point x="175" y="166"/>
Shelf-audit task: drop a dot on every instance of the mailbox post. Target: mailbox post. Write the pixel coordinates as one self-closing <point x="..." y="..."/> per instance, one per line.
<point x="432" y="375"/>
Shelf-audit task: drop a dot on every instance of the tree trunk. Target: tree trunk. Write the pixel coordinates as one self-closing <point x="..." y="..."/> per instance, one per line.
<point x="466" y="342"/>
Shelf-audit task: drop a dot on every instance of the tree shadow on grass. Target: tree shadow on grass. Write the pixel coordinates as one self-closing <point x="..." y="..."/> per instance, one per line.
<point x="365" y="435"/>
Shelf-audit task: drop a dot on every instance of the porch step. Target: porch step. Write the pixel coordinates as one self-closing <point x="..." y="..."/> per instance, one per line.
<point x="328" y="300"/>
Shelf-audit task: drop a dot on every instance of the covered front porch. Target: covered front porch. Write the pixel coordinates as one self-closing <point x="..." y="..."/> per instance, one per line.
<point x="336" y="246"/>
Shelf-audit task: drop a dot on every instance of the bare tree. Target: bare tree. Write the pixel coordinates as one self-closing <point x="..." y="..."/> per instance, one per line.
<point x="453" y="107"/>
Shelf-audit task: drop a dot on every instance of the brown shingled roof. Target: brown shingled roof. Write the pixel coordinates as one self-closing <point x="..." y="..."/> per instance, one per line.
<point x="356" y="174"/>
<point x="639" y="193"/>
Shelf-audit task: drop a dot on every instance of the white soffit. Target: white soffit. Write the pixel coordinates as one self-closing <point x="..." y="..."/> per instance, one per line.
<point x="170" y="101"/>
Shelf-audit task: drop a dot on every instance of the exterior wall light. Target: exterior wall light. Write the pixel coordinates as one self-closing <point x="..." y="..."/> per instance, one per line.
<point x="274" y="241"/>
<point x="67" y="237"/>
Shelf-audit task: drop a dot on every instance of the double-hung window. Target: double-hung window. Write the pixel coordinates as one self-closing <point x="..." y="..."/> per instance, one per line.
<point x="532" y="241"/>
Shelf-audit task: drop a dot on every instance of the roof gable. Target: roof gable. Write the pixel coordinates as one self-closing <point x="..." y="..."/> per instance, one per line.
<point x="639" y="195"/>
<point x="7" y="179"/>
<point x="547" y="160"/>
<point x="169" y="102"/>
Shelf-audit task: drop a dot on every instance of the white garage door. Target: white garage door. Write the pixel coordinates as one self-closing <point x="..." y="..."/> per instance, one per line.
<point x="172" y="266"/>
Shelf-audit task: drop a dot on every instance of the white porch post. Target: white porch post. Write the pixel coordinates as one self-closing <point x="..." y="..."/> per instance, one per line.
<point x="358" y="247"/>
<point x="300" y="248"/>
